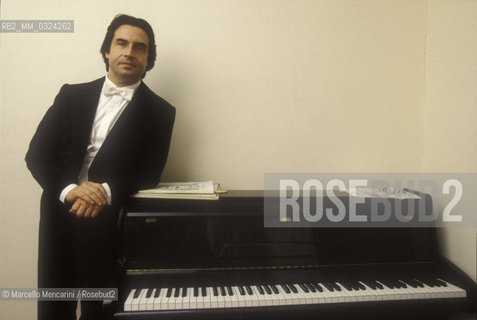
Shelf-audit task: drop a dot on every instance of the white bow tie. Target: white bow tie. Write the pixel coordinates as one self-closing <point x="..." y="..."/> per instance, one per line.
<point x="109" y="90"/>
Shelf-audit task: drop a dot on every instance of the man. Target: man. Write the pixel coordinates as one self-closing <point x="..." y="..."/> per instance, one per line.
<point x="99" y="142"/>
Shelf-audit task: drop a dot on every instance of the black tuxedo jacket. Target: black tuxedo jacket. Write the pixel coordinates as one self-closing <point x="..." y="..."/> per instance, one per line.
<point x="132" y="157"/>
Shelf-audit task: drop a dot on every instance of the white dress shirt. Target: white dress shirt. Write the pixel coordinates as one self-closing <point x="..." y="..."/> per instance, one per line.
<point x="111" y="104"/>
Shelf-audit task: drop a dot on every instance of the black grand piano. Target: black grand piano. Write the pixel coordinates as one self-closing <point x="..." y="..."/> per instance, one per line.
<point x="214" y="259"/>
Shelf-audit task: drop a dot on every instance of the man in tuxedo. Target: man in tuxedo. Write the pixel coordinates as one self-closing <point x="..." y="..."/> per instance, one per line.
<point x="99" y="142"/>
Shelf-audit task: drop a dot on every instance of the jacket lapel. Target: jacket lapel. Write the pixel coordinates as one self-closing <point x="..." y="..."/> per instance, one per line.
<point x="83" y="116"/>
<point x="121" y="135"/>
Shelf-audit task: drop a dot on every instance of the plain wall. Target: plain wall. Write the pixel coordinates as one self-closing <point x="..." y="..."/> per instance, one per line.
<point x="259" y="86"/>
<point x="450" y="110"/>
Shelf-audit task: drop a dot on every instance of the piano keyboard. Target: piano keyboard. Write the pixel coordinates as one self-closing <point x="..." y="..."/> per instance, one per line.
<point x="186" y="298"/>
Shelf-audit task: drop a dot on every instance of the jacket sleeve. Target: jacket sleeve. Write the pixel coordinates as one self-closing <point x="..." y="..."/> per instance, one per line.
<point x="49" y="145"/>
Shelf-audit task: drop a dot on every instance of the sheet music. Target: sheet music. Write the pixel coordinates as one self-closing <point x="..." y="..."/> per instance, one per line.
<point x="383" y="192"/>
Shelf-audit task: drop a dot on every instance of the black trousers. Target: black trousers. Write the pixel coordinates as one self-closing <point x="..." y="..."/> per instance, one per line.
<point x="75" y="253"/>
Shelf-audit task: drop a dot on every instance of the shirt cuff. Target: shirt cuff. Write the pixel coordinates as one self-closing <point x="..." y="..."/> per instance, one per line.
<point x="66" y="190"/>
<point x="108" y="192"/>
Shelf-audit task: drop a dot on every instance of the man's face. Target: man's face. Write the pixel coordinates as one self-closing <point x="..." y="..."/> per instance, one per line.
<point x="127" y="55"/>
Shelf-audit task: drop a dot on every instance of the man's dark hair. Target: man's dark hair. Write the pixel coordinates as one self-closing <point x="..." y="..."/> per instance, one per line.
<point x="123" y="19"/>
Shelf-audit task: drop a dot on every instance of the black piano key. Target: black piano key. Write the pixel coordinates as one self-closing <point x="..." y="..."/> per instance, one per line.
<point x="285" y="288"/>
<point x="398" y="284"/>
<point x="310" y="287"/>
<point x="169" y="292"/>
<point x="241" y="290"/>
<point x="260" y="289"/>
<point x="177" y="292"/>
<point x="379" y="286"/>
<point x="317" y="287"/>
<point x="223" y="293"/>
<point x="331" y="288"/>
<point x="196" y="291"/>
<point x="136" y="294"/>
<point x="267" y="289"/>
<point x="249" y="290"/>
<point x="158" y="292"/>
<point x="361" y="286"/>
<point x="419" y="283"/>
<point x="403" y="285"/>
<point x="371" y="283"/>
<point x="426" y="282"/>
<point x="335" y="286"/>
<point x="184" y="292"/>
<point x="274" y="289"/>
<point x="215" y="291"/>
<point x="387" y="283"/>
<point x="303" y="287"/>
<point x="230" y="291"/>
<point x="149" y="293"/>
<point x="292" y="288"/>
<point x="410" y="282"/>
<point x="436" y="282"/>
<point x="442" y="283"/>
<point x="204" y="291"/>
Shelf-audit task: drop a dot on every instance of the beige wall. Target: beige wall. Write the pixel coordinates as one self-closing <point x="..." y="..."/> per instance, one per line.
<point x="450" y="110"/>
<point x="260" y="86"/>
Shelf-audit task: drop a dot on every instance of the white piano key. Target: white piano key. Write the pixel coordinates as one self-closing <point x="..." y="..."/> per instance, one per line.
<point x="275" y="298"/>
<point x="135" y="303"/>
<point x="208" y="298"/>
<point x="440" y="292"/>
<point x="369" y="294"/>
<point x="171" y="302"/>
<point x="150" y="301"/>
<point x="256" y="297"/>
<point x="283" y="296"/>
<point x="388" y="293"/>
<point x="179" y="299"/>
<point x="214" y="303"/>
<point x="128" y="303"/>
<point x="344" y="295"/>
<point x="354" y="295"/>
<point x="336" y="296"/>
<point x="455" y="291"/>
<point x="413" y="293"/>
<point x="317" y="297"/>
<point x="143" y="301"/>
<point x="409" y="293"/>
<point x="186" y="299"/>
<point x="227" y="299"/>
<point x="240" y="298"/>
<point x="192" y="298"/>
<point x="268" y="298"/>
<point x="164" y="303"/>
<point x="295" y="296"/>
<point x="200" y="300"/>
<point x="235" y="298"/>
<point x="304" y="298"/>
<point x="220" y="299"/>
<point x="165" y="300"/>
<point x="249" y="299"/>
<point x="157" y="301"/>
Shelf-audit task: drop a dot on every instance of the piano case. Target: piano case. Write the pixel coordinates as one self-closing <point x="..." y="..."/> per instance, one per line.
<point x="203" y="259"/>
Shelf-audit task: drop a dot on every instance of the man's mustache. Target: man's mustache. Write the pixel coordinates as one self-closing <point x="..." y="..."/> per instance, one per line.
<point x="126" y="60"/>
